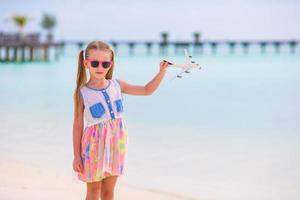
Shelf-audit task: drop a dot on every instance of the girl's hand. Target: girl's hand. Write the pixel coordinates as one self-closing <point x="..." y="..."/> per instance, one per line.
<point x="77" y="164"/>
<point x="163" y="66"/>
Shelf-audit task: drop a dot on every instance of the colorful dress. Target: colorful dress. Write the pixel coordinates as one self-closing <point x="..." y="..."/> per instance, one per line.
<point x="104" y="139"/>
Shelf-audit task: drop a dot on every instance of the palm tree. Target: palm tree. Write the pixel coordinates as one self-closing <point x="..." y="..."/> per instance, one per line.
<point x="48" y="23"/>
<point x="20" y="21"/>
<point x="164" y="36"/>
<point x="197" y="37"/>
<point x="164" y="43"/>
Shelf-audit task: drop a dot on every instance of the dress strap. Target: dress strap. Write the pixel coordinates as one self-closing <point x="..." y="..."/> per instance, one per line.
<point x="118" y="86"/>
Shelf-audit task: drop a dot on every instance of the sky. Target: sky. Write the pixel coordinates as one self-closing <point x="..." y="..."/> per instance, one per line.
<point x="145" y="20"/>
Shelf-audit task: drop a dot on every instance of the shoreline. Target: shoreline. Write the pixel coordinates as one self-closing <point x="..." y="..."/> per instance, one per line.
<point x="20" y="180"/>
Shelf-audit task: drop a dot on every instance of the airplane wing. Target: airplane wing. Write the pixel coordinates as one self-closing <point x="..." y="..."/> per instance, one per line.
<point x="179" y="74"/>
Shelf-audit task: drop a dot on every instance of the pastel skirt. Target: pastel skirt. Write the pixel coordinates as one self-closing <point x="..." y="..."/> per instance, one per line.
<point x="103" y="150"/>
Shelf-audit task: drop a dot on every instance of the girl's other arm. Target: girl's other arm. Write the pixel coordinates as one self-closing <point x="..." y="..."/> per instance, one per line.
<point x="149" y="88"/>
<point x="77" y="134"/>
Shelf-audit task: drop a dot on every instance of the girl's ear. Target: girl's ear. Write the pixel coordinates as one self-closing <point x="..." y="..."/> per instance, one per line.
<point x="85" y="64"/>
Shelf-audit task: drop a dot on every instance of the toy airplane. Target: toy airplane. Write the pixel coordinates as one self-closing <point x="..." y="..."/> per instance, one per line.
<point x="187" y="66"/>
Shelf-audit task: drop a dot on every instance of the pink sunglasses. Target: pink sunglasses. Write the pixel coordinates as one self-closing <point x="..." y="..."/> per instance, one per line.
<point x="95" y="63"/>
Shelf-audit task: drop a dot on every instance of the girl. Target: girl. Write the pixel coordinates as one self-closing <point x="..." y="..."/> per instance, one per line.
<point x="99" y="129"/>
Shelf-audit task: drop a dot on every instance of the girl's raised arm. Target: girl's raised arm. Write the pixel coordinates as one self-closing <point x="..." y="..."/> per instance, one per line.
<point x="149" y="88"/>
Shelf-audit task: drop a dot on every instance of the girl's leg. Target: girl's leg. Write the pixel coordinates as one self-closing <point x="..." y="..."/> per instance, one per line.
<point x="93" y="190"/>
<point x="108" y="186"/>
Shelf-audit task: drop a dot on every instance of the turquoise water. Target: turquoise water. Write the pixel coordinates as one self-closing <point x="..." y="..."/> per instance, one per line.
<point x="228" y="131"/>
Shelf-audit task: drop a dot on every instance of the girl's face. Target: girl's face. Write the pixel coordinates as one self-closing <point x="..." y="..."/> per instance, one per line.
<point x="103" y="58"/>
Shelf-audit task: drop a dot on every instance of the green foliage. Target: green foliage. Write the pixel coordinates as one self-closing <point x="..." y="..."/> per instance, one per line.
<point x="20" y="20"/>
<point x="48" y="22"/>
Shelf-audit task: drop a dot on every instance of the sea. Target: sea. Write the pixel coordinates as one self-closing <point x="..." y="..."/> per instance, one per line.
<point x="228" y="131"/>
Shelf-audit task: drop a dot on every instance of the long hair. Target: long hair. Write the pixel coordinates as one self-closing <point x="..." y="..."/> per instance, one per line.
<point x="81" y="73"/>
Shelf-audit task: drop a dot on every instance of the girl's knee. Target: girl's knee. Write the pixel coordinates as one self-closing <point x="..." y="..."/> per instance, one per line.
<point x="92" y="197"/>
<point x="93" y="191"/>
<point x="107" y="190"/>
<point x="107" y="194"/>
<point x="93" y="194"/>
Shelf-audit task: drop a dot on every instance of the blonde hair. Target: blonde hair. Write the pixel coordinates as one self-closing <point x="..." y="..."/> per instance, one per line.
<point x="81" y="73"/>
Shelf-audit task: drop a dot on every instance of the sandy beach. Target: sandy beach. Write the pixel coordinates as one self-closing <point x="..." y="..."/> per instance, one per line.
<point x="20" y="180"/>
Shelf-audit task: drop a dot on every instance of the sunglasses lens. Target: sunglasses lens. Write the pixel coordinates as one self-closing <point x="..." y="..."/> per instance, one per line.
<point x="106" y="64"/>
<point x="94" y="63"/>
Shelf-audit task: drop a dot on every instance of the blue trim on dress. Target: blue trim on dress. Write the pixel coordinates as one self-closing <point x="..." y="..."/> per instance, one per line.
<point x="99" y="89"/>
<point x="108" y="102"/>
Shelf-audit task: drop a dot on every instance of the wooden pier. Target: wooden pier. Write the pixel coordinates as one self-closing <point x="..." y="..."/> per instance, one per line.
<point x="18" y="48"/>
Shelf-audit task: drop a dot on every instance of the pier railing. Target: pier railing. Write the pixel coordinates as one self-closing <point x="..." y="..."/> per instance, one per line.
<point x="198" y="47"/>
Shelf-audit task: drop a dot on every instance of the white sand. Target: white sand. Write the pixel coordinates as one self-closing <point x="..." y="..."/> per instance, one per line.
<point x="24" y="181"/>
